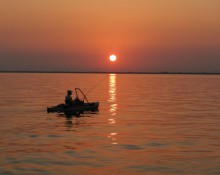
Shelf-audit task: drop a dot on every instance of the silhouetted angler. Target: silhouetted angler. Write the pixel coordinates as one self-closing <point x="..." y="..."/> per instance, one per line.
<point x="70" y="101"/>
<point x="68" y="98"/>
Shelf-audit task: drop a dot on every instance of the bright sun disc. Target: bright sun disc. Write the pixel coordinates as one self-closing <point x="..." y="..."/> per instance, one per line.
<point x="112" y="58"/>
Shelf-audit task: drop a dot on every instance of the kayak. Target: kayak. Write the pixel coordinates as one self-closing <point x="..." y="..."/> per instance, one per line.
<point x="74" y="109"/>
<point x="77" y="108"/>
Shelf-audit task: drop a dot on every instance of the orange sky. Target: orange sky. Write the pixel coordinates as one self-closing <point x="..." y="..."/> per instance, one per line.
<point x="78" y="35"/>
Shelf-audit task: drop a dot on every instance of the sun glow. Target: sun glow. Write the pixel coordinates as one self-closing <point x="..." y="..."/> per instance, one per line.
<point x="112" y="58"/>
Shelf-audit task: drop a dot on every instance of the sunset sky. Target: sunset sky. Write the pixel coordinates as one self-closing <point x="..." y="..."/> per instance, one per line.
<point x="79" y="35"/>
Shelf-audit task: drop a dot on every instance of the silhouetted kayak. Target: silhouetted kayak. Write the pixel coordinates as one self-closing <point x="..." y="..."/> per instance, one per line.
<point x="75" y="109"/>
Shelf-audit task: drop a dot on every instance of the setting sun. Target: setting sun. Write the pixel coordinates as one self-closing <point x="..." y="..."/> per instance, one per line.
<point x="112" y="58"/>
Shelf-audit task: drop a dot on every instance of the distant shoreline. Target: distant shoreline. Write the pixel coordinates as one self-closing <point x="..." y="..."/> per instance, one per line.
<point x="97" y="72"/>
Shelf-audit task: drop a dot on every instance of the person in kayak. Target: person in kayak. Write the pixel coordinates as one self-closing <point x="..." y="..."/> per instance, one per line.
<point x="70" y="101"/>
<point x="68" y="98"/>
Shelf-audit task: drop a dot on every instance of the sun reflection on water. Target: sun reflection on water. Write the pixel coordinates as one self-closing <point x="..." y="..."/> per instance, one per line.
<point x="113" y="106"/>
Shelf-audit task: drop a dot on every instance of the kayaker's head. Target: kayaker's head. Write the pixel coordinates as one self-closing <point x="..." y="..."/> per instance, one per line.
<point x="69" y="92"/>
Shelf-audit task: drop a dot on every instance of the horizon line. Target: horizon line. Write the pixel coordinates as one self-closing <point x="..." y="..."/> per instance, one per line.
<point x="111" y="72"/>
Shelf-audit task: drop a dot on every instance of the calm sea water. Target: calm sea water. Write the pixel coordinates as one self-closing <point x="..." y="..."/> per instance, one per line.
<point x="147" y="124"/>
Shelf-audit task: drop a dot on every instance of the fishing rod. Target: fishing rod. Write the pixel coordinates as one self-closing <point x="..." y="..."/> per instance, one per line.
<point x="82" y="94"/>
<point x="93" y="87"/>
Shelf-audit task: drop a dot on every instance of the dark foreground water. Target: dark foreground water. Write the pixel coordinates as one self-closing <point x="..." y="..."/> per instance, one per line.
<point x="147" y="124"/>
